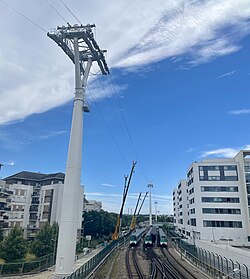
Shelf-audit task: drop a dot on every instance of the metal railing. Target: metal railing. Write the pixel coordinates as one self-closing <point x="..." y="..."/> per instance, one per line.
<point x="211" y="263"/>
<point x="88" y="267"/>
<point x="25" y="268"/>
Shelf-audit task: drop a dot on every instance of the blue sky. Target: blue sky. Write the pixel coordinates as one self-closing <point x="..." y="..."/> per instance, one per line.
<point x="178" y="92"/>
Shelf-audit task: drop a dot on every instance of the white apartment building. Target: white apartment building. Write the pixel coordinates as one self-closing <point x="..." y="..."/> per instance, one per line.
<point x="216" y="198"/>
<point x="36" y="199"/>
<point x="5" y="199"/>
<point x="92" y="205"/>
<point x="180" y="205"/>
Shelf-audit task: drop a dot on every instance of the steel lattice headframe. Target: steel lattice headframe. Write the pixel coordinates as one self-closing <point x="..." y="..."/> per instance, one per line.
<point x="88" y="48"/>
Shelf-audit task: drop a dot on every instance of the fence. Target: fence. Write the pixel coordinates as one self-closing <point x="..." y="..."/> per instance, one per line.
<point x="25" y="268"/>
<point x="89" y="266"/>
<point x="213" y="264"/>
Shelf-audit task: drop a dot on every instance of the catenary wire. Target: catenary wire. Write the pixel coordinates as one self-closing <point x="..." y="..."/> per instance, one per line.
<point x="70" y="11"/>
<point x="53" y="8"/>
<point x="21" y="14"/>
<point x="125" y="124"/>
<point x="111" y="134"/>
<point x="108" y="128"/>
<point x="108" y="97"/>
<point x="121" y="123"/>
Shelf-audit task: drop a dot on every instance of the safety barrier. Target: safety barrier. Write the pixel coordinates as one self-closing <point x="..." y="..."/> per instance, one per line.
<point x="211" y="263"/>
<point x="88" y="267"/>
<point x="25" y="268"/>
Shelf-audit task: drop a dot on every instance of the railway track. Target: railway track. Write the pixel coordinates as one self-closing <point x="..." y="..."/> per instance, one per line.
<point x="133" y="268"/>
<point x="163" y="270"/>
<point x="171" y="261"/>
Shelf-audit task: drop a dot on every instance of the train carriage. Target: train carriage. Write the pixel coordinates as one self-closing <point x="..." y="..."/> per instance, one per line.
<point x="163" y="242"/>
<point x="136" y="236"/>
<point x="150" y="237"/>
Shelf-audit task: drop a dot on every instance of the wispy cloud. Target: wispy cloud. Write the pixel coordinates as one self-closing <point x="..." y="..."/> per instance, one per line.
<point x="224" y="152"/>
<point x="190" y="150"/>
<point x="9" y="163"/>
<point x="227" y="74"/>
<point x="108" y="185"/>
<point x="240" y="111"/>
<point x="177" y="29"/>
<point x="47" y="136"/>
<point x="112" y="202"/>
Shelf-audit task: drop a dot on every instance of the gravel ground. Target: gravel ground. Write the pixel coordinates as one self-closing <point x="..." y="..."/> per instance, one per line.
<point x="115" y="266"/>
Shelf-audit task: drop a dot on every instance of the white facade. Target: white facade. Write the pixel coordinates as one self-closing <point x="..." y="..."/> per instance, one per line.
<point x="5" y="199"/>
<point x="180" y="205"/>
<point x="218" y="201"/>
<point x="92" y="205"/>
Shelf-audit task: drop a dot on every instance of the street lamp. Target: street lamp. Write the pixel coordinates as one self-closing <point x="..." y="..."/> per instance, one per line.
<point x="83" y="231"/>
<point x="156" y="211"/>
<point x="150" y="205"/>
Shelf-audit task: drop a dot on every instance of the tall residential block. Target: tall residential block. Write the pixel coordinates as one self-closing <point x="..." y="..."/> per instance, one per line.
<point x="36" y="198"/>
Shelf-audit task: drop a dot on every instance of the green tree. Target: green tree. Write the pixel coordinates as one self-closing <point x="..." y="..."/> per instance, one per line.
<point x="13" y="247"/>
<point x="103" y="223"/>
<point x="45" y="241"/>
<point x="1" y="234"/>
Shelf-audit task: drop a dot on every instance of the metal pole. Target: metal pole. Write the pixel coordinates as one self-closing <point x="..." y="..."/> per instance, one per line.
<point x="69" y="212"/>
<point x="156" y="211"/>
<point x="150" y="205"/>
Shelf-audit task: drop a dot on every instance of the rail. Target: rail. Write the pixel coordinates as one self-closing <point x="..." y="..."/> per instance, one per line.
<point x="90" y="266"/>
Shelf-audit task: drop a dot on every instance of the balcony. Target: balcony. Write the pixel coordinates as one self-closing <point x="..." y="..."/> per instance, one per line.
<point x="35" y="201"/>
<point x="33" y="217"/>
<point x="34" y="208"/>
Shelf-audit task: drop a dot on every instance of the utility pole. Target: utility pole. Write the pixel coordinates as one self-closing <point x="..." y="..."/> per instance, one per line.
<point x="156" y="211"/>
<point x="150" y="205"/>
<point x="79" y="44"/>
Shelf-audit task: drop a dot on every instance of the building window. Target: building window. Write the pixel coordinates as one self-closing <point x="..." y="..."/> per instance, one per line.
<point x="221" y="211"/>
<point x="191" y="201"/>
<point x="192" y="211"/>
<point x="193" y="222"/>
<point x="218" y="173"/>
<point x="220" y="199"/>
<point x="222" y="224"/>
<point x="219" y="189"/>
<point x="191" y="191"/>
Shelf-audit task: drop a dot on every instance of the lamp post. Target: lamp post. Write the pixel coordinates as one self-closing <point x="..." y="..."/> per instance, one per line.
<point x="156" y="211"/>
<point x="83" y="231"/>
<point x="150" y="205"/>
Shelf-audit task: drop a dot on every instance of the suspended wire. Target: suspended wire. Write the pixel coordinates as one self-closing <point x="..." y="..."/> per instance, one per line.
<point x="70" y="11"/>
<point x="125" y="124"/>
<point x="111" y="134"/>
<point x="111" y="105"/>
<point x="30" y="20"/>
<point x="53" y="8"/>
<point x="108" y="128"/>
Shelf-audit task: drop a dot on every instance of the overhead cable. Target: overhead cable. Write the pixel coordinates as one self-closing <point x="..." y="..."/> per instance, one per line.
<point x="21" y="14"/>
<point x="53" y="8"/>
<point x="70" y="11"/>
